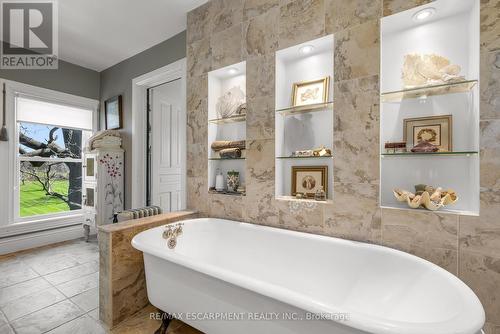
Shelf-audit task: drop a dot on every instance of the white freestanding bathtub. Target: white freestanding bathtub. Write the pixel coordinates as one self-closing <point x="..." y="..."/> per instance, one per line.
<point x="227" y="277"/>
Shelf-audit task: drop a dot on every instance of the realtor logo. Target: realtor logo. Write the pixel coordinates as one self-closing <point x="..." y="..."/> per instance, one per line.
<point x="29" y="35"/>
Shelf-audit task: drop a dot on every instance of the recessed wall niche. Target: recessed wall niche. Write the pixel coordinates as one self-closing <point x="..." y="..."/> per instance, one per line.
<point x="448" y="29"/>
<point x="227" y="122"/>
<point x="305" y="122"/>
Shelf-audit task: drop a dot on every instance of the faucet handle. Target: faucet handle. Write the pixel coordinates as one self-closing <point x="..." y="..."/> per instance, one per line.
<point x="167" y="234"/>
<point x="178" y="230"/>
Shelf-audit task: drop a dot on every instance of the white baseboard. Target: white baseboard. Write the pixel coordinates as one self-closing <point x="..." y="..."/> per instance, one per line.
<point x="37" y="239"/>
<point x="41" y="223"/>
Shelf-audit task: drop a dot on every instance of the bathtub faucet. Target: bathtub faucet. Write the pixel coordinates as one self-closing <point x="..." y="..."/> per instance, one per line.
<point x="172" y="231"/>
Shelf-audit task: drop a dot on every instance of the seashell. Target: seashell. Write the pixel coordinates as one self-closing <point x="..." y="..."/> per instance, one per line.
<point x="450" y="198"/>
<point x="403" y="195"/>
<point x="242" y="109"/>
<point x="415" y="202"/>
<point x="429" y="189"/>
<point x="436" y="195"/>
<point x="430" y="198"/>
<point x="229" y="102"/>
<point x="428" y="204"/>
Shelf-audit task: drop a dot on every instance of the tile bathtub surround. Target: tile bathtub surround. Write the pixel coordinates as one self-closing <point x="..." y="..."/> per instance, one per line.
<point x="431" y="236"/>
<point x="467" y="246"/>
<point x="122" y="284"/>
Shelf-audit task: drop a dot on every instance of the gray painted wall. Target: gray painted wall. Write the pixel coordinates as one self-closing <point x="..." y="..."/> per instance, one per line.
<point x="77" y="80"/>
<point x="68" y="78"/>
<point x="118" y="80"/>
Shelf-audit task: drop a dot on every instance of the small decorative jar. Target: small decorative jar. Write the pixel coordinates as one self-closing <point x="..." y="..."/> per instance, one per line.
<point x="299" y="195"/>
<point x="233" y="180"/>
<point x="320" y="194"/>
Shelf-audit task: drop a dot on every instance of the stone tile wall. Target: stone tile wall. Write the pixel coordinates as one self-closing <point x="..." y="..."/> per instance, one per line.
<point x="122" y="283"/>
<point x="223" y="32"/>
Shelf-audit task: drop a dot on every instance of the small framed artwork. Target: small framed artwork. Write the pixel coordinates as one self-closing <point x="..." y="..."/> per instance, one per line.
<point x="113" y="113"/>
<point x="437" y="130"/>
<point x="309" y="179"/>
<point x="310" y="92"/>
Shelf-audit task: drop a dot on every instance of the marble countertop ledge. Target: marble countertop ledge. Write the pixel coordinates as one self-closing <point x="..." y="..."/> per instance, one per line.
<point x="134" y="223"/>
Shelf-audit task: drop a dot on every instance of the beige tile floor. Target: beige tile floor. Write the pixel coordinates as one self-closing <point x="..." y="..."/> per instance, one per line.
<point x="54" y="290"/>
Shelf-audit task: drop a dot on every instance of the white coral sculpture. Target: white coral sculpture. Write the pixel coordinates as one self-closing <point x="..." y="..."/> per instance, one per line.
<point x="428" y="69"/>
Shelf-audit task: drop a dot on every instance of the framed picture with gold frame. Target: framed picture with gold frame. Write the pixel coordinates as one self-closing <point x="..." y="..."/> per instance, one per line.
<point x="436" y="130"/>
<point x="310" y="92"/>
<point x="309" y="179"/>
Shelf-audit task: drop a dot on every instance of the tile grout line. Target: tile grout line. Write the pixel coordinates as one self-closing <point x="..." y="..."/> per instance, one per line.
<point x="46" y="306"/>
<point x="65" y="299"/>
<point x="80" y="316"/>
<point x="69" y="298"/>
<point x="41" y="275"/>
<point x="29" y="279"/>
<point x="49" y="305"/>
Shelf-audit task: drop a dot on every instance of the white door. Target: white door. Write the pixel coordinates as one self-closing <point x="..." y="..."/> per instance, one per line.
<point x="168" y="145"/>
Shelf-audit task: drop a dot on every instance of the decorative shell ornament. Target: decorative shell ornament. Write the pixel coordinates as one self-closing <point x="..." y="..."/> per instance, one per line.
<point x="428" y="69"/>
<point x="429" y="198"/>
<point x="229" y="102"/>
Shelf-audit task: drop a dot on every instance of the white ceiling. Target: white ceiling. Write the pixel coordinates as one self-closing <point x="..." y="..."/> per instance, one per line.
<point x="100" y="33"/>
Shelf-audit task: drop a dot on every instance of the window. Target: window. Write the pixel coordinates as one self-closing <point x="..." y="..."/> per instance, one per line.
<point x="50" y="140"/>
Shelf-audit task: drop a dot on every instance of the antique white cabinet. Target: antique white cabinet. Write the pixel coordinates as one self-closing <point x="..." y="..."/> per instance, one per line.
<point x="103" y="175"/>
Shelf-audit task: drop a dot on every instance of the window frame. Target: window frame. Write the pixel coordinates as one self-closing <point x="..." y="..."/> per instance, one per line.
<point x="10" y="222"/>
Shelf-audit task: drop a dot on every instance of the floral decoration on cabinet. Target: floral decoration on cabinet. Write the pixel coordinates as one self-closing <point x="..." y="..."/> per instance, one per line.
<point x="114" y="169"/>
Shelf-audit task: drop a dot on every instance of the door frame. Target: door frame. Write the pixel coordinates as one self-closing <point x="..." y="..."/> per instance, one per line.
<point x="140" y="86"/>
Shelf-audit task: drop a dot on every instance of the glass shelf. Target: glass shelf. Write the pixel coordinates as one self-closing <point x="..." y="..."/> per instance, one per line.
<point x="227" y="158"/>
<point x="304" y="109"/>
<point x="409" y="154"/>
<point x="440" y="211"/>
<point x="313" y="157"/>
<point x="418" y="92"/>
<point x="228" y="120"/>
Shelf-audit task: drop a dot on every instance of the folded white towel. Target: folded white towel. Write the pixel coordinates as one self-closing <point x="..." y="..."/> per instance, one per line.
<point x="107" y="142"/>
<point x="101" y="135"/>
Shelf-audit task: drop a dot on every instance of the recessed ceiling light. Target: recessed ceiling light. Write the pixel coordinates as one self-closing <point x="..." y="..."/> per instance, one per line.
<point x="306" y="49"/>
<point x="424" y="14"/>
<point x="232" y="71"/>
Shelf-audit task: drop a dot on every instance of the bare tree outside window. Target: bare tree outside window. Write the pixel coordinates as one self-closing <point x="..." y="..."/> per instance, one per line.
<point x="50" y="169"/>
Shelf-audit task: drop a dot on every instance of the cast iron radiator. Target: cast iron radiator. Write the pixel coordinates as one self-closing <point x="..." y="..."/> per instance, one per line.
<point x="137" y="213"/>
